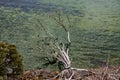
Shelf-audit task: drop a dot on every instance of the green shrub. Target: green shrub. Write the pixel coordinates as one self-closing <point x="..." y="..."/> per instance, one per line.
<point x="10" y="60"/>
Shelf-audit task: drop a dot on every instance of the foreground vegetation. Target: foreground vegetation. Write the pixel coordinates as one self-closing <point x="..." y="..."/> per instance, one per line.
<point x="10" y="61"/>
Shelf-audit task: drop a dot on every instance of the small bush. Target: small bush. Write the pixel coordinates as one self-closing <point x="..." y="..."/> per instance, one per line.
<point x="10" y="60"/>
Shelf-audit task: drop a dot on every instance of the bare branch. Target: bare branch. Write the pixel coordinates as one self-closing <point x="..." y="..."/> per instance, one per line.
<point x="58" y="21"/>
<point x="68" y="33"/>
<point x="69" y="21"/>
<point x="45" y="29"/>
<point x="62" y="51"/>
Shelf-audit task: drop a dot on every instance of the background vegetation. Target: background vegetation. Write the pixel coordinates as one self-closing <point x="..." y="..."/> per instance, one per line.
<point x="95" y="31"/>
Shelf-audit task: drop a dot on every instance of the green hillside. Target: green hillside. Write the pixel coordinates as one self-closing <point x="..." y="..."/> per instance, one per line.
<point x="95" y="31"/>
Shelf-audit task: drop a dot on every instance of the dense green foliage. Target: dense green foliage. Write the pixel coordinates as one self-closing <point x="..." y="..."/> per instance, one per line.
<point x="10" y="60"/>
<point x="95" y="34"/>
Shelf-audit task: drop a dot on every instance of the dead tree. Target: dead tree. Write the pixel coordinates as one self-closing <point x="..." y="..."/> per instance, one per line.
<point x="62" y="53"/>
<point x="61" y="50"/>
